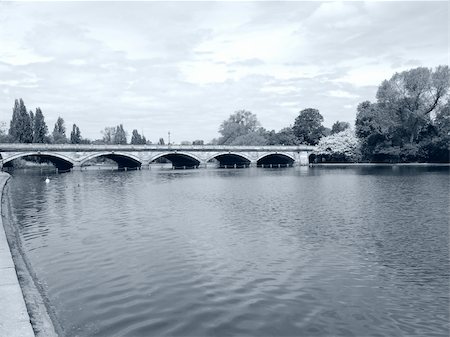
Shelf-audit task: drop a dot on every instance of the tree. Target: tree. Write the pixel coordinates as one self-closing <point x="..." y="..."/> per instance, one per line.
<point x="438" y="146"/>
<point x="285" y="136"/>
<point x="339" y="147"/>
<point x="40" y="129"/>
<point x="339" y="127"/>
<point x="108" y="134"/>
<point x="4" y="137"/>
<point x="59" y="132"/>
<point x="240" y="123"/>
<point x="400" y="125"/>
<point x="136" y="138"/>
<point x="252" y="138"/>
<point x="308" y="126"/>
<point x="20" y="129"/>
<point x="120" y="137"/>
<point x="31" y="114"/>
<point x="412" y="97"/>
<point x="75" y="135"/>
<point x="198" y="142"/>
<point x="161" y="141"/>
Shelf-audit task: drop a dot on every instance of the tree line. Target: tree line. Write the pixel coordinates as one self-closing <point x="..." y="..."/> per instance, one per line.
<point x="408" y="122"/>
<point x="29" y="127"/>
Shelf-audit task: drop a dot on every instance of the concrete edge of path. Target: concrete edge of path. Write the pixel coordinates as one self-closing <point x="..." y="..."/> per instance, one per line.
<point x="14" y="318"/>
<point x="24" y="311"/>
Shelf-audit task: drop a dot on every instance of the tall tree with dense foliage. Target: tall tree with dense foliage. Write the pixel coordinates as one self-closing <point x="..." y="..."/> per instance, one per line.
<point x="308" y="126"/>
<point x="75" y="135"/>
<point x="285" y="136"/>
<point x="399" y="126"/>
<point x="31" y="114"/>
<point x="253" y="138"/>
<point x="339" y="127"/>
<point x="40" y="128"/>
<point x="237" y="127"/>
<point x="120" y="136"/>
<point x="59" y="132"/>
<point x="20" y="129"/>
<point x="137" y="139"/>
<point x="438" y="144"/>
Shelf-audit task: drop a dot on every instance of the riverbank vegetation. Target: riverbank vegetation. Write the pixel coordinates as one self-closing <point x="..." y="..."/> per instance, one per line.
<point x="408" y="122"/>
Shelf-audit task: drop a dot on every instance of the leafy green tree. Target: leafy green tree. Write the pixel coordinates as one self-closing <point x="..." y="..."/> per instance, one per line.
<point x="59" y="132"/>
<point x="438" y="145"/>
<point x="308" y="126"/>
<point x="15" y="120"/>
<point x="120" y="136"/>
<point x="40" y="129"/>
<point x="252" y="138"/>
<point x="20" y="129"/>
<point x="32" y="122"/>
<point x="339" y="127"/>
<point x="239" y="124"/>
<point x="399" y="126"/>
<point x="136" y="138"/>
<point x="412" y="96"/>
<point x="285" y="136"/>
<point x="75" y="135"/>
<point x="4" y="137"/>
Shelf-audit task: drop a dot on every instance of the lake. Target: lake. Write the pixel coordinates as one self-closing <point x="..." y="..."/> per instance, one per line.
<point x="303" y="251"/>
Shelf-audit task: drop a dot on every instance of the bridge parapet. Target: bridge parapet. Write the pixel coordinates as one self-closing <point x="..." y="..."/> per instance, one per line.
<point x="7" y="147"/>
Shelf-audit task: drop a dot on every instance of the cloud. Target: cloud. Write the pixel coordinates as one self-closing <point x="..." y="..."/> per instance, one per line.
<point x="185" y="67"/>
<point x="341" y="94"/>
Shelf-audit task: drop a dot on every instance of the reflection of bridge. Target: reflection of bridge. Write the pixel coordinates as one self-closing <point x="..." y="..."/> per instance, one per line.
<point x="74" y="156"/>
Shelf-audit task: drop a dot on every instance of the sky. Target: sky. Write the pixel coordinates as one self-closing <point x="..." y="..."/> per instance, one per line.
<point x="184" y="67"/>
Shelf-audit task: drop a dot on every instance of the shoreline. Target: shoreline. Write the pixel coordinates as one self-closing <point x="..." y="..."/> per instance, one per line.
<point x="40" y="317"/>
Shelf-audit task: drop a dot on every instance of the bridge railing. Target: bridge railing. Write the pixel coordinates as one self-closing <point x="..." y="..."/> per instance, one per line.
<point x="8" y="147"/>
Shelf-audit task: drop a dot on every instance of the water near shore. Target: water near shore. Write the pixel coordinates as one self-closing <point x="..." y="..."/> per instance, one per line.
<point x="313" y="251"/>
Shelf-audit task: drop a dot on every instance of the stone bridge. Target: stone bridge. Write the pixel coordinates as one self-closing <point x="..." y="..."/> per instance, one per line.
<point x="75" y="156"/>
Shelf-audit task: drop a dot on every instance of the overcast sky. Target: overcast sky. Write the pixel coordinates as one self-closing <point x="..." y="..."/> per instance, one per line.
<point x="186" y="66"/>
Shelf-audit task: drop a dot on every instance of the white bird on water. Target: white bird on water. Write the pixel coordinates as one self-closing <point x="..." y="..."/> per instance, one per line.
<point x="47" y="180"/>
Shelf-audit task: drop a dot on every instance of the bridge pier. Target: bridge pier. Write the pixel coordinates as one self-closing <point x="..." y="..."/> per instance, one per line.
<point x="303" y="158"/>
<point x="76" y="167"/>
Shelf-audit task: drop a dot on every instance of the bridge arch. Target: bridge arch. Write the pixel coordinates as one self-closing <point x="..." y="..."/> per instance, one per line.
<point x="122" y="159"/>
<point x="179" y="159"/>
<point x="276" y="160"/>
<point x="60" y="161"/>
<point x="231" y="159"/>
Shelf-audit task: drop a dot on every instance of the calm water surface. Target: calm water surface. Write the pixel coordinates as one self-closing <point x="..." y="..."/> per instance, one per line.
<point x="256" y="252"/>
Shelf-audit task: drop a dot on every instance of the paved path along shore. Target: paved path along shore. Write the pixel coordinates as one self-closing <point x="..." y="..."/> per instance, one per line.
<point x="14" y="318"/>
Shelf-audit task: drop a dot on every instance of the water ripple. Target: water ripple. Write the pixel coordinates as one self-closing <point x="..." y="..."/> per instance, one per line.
<point x="302" y="251"/>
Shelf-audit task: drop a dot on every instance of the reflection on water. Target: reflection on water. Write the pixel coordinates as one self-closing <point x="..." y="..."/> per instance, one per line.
<point x="282" y="252"/>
